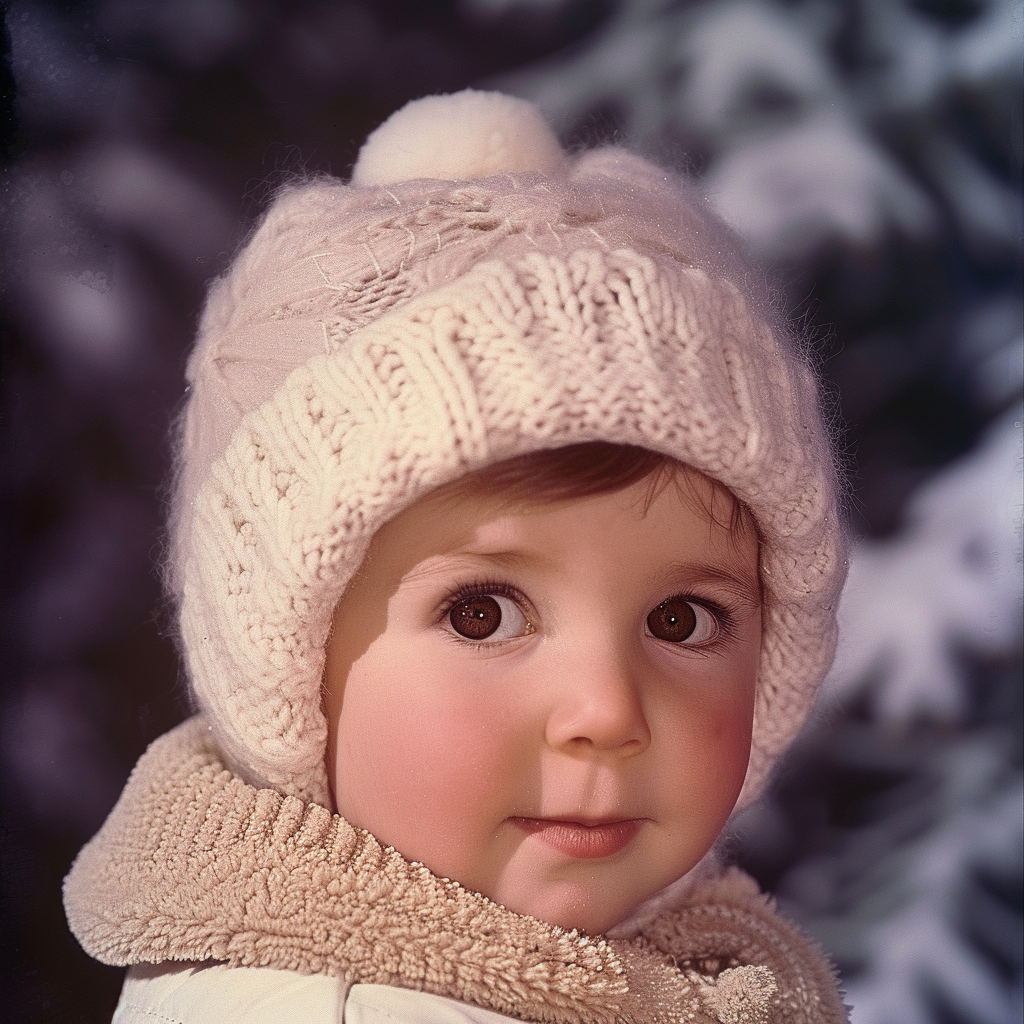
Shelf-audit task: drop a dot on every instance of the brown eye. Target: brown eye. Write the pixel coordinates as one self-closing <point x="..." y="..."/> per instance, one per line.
<point x="488" y="617"/>
<point x="676" y="621"/>
<point x="476" y="618"/>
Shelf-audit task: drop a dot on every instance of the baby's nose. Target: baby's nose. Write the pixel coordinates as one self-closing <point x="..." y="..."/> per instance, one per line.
<point x="599" y="706"/>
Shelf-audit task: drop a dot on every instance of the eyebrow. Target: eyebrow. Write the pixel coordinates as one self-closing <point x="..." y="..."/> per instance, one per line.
<point x="445" y="563"/>
<point x="744" y="586"/>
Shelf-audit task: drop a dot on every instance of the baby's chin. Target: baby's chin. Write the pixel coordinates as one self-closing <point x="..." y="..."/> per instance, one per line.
<point x="593" y="907"/>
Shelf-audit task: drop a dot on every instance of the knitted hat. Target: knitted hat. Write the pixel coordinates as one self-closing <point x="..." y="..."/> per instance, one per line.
<point x="473" y="295"/>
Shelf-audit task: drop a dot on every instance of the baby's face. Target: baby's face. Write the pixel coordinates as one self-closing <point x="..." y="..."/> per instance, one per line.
<point x="552" y="706"/>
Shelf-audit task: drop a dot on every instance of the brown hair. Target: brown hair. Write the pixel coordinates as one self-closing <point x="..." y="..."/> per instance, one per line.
<point x="553" y="475"/>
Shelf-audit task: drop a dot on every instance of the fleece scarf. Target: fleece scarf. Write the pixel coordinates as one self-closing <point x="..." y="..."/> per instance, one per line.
<point x="194" y="864"/>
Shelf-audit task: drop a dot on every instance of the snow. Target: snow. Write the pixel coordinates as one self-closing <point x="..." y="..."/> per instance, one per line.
<point x="951" y="581"/>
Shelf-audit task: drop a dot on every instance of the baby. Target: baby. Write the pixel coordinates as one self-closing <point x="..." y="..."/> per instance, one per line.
<point x="505" y="527"/>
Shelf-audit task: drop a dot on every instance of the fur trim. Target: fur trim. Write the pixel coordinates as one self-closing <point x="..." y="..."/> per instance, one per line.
<point x="193" y="864"/>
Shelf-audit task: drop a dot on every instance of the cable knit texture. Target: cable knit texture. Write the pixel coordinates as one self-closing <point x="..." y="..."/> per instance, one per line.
<point x="370" y="344"/>
<point x="195" y="864"/>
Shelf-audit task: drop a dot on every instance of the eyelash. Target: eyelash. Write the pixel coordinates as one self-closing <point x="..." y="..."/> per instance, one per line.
<point x="724" y="618"/>
<point x="478" y="589"/>
<point x="725" y="621"/>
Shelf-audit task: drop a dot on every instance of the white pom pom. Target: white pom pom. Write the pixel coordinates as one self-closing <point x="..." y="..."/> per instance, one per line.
<point x="468" y="134"/>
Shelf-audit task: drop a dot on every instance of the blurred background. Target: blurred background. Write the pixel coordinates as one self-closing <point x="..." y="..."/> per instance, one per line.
<point x="869" y="151"/>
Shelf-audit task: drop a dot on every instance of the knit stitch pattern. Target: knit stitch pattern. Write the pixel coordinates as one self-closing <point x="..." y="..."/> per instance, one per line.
<point x="371" y="344"/>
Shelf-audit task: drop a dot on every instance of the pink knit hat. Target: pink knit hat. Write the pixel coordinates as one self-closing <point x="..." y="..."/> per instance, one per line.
<point x="474" y="294"/>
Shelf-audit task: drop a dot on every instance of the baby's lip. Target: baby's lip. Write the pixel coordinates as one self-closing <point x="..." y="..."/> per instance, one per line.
<point x="583" y="838"/>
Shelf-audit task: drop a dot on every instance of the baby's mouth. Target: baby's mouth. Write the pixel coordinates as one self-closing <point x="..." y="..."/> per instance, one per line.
<point x="584" y="840"/>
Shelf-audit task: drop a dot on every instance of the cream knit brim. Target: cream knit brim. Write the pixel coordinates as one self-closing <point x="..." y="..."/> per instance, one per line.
<point x="561" y="345"/>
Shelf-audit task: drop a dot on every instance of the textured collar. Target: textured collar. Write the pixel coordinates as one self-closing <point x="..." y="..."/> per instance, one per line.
<point x="195" y="864"/>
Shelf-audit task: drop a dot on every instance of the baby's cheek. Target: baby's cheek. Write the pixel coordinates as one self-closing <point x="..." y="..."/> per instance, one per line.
<point x="424" y="768"/>
<point x="723" y="707"/>
<point x="729" y="725"/>
<point x="706" y="740"/>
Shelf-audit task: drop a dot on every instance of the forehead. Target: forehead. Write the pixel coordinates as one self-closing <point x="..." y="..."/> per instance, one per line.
<point x="677" y="515"/>
<point x="666" y="489"/>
